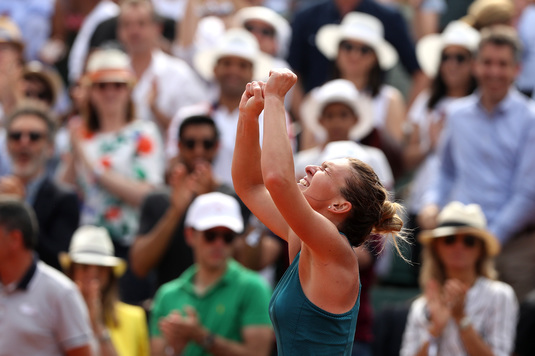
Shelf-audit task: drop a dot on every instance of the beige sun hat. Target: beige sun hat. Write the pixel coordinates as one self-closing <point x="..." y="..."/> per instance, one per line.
<point x="359" y="27"/>
<point x="429" y="48"/>
<point x="283" y="31"/>
<point x="91" y="245"/>
<point x="484" y="13"/>
<point x="10" y="32"/>
<point x="109" y="65"/>
<point x="337" y="91"/>
<point x="457" y="218"/>
<point x="236" y="42"/>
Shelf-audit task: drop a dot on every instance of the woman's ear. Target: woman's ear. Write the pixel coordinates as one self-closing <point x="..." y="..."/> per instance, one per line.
<point x="340" y="207"/>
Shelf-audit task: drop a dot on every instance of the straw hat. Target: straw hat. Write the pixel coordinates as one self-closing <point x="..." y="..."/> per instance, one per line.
<point x="10" y="33"/>
<point x="283" y="31"/>
<point x="236" y="42"/>
<point x="429" y="48"/>
<point x="457" y="218"/>
<point x="49" y="77"/>
<point x="359" y="27"/>
<point x="483" y="13"/>
<point x="109" y="65"/>
<point x="337" y="91"/>
<point x="91" y="245"/>
<point x="214" y="210"/>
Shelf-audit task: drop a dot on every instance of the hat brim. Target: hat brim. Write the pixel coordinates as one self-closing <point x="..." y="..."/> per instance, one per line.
<point x="491" y="243"/>
<point x="311" y="110"/>
<point x="205" y="61"/>
<point x="112" y="76"/>
<point x="211" y="222"/>
<point x="329" y="37"/>
<point x="118" y="264"/>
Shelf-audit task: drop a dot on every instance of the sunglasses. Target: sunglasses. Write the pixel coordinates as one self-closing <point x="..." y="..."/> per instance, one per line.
<point x="114" y="85"/>
<point x="38" y="95"/>
<point x="457" y="57"/>
<point x="212" y="235"/>
<point x="264" y="31"/>
<point x="350" y="47"/>
<point x="467" y="240"/>
<point x="191" y="143"/>
<point x="34" y="136"/>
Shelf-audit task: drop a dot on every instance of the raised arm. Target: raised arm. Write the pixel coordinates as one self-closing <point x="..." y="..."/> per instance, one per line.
<point x="246" y="171"/>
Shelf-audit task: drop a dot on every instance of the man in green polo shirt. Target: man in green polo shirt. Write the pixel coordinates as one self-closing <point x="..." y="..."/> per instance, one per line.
<point x="216" y="307"/>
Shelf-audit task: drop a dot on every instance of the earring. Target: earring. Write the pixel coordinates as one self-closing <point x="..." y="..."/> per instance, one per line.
<point x="329" y="207"/>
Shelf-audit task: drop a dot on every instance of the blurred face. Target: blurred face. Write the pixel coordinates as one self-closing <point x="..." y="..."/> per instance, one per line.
<point x="28" y="146"/>
<point x="84" y="275"/>
<point x="213" y="247"/>
<point x="109" y="96"/>
<point x="456" y="66"/>
<point x="233" y="74"/>
<point x="265" y="34"/>
<point x="10" y="64"/>
<point x="459" y="252"/>
<point x="355" y="58"/>
<point x="338" y="119"/>
<point x="136" y="29"/>
<point x="35" y="89"/>
<point x="322" y="184"/>
<point x="197" y="144"/>
<point x="495" y="70"/>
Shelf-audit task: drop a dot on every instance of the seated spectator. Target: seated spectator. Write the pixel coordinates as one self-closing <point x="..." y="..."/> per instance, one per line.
<point x="526" y="79"/>
<point x="336" y="113"/>
<point x="30" y="144"/>
<point x="121" y="329"/>
<point x="116" y="160"/>
<point x="216" y="306"/>
<point x="464" y="310"/>
<point x="43" y="312"/>
<point x="485" y="13"/>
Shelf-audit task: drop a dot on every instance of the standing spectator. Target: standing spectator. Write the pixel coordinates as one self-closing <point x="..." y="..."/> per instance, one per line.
<point x="464" y="311"/>
<point x="43" y="312"/>
<point x="91" y="264"/>
<point x="486" y="157"/>
<point x="30" y="143"/>
<point x="216" y="306"/>
<point x="164" y="84"/>
<point x="116" y="160"/>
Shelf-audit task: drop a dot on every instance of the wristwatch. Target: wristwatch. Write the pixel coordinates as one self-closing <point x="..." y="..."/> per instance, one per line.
<point x="208" y="341"/>
<point x="464" y="323"/>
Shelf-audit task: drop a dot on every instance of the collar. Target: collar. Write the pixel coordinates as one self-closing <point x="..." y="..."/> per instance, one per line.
<point x="503" y="106"/>
<point x="226" y="278"/>
<point x="26" y="279"/>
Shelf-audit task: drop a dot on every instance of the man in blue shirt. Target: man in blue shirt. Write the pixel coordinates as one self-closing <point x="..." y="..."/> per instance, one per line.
<point x="487" y="157"/>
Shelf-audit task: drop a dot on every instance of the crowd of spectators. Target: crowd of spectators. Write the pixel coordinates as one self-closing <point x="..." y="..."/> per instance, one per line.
<point x="118" y="121"/>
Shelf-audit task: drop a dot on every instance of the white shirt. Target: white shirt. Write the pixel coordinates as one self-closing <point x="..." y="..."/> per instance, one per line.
<point x="492" y="309"/>
<point x="177" y="84"/>
<point x="104" y="10"/>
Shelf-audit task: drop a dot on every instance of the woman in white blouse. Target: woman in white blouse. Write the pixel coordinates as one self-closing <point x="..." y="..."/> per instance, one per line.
<point x="464" y="310"/>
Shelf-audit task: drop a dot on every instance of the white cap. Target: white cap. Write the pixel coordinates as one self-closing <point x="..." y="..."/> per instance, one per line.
<point x="214" y="210"/>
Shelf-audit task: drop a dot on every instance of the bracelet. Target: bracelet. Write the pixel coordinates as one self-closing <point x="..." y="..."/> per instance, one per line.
<point x="104" y="336"/>
<point x="464" y="323"/>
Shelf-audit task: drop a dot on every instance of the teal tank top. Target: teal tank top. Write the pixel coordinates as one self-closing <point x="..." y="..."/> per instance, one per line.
<point x="302" y="328"/>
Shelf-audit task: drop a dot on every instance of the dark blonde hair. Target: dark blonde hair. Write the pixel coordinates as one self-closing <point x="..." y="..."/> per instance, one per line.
<point x="371" y="211"/>
<point x="92" y="121"/>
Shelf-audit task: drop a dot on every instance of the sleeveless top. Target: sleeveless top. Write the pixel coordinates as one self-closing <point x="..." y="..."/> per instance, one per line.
<point x="302" y="328"/>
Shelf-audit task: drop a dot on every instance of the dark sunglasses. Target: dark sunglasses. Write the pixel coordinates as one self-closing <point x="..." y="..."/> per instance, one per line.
<point x="212" y="235"/>
<point x="33" y="135"/>
<point x="467" y="240"/>
<point x="191" y="143"/>
<point x="350" y="47"/>
<point x="457" y="57"/>
<point x="41" y="95"/>
<point x="114" y="85"/>
<point x="264" y="31"/>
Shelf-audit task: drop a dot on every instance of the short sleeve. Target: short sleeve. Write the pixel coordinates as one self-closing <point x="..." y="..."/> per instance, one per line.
<point x="256" y="303"/>
<point x="415" y="333"/>
<point x="149" y="161"/>
<point x="73" y="328"/>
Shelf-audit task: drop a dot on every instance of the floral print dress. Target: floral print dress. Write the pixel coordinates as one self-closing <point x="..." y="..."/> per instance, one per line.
<point x="134" y="152"/>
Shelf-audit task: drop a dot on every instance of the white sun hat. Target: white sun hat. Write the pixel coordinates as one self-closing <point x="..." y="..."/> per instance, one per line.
<point x="109" y="65"/>
<point x="236" y="42"/>
<point x="212" y="210"/>
<point x="429" y="48"/>
<point x="337" y="91"/>
<point x="91" y="245"/>
<point x="283" y="31"/>
<point x="457" y="218"/>
<point x="359" y="27"/>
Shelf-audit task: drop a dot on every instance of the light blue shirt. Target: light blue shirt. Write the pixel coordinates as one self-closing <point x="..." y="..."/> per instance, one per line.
<point x="489" y="159"/>
<point x="526" y="79"/>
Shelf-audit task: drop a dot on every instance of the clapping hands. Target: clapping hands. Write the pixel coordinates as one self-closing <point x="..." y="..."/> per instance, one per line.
<point x="444" y="303"/>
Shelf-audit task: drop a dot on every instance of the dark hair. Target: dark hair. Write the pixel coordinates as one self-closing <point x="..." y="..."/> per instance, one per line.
<point x="36" y="109"/>
<point x="439" y="90"/>
<point x="91" y="119"/>
<point x="371" y="210"/>
<point x="16" y="214"/>
<point x="134" y="3"/>
<point x="197" y="120"/>
<point x="502" y="35"/>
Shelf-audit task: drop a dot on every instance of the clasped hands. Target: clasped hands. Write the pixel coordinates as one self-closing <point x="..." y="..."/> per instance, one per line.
<point x="443" y="303"/>
<point x="180" y="328"/>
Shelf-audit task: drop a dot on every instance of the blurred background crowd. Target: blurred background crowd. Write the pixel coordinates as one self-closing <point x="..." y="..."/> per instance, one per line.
<point x="116" y="115"/>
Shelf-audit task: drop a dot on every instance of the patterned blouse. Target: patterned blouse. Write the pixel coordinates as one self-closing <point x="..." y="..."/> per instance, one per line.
<point x="135" y="152"/>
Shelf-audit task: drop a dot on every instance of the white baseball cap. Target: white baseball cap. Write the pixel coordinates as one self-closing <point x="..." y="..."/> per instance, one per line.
<point x="215" y="210"/>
